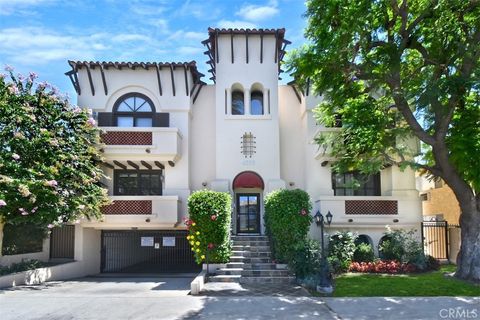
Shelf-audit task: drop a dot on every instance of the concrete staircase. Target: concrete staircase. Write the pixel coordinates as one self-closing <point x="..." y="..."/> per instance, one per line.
<point x="251" y="263"/>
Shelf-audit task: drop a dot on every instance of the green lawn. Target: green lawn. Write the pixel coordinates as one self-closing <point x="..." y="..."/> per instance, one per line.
<point x="423" y="284"/>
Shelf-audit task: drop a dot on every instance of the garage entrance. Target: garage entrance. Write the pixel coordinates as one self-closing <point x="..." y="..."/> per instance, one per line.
<point x="146" y="251"/>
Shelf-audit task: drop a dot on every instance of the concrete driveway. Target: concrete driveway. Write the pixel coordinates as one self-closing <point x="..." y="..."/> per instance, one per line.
<point x="168" y="298"/>
<point x="145" y="298"/>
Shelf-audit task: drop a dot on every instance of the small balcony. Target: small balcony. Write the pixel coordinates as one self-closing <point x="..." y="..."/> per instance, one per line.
<point x="141" y="211"/>
<point x="371" y="211"/>
<point x="135" y="143"/>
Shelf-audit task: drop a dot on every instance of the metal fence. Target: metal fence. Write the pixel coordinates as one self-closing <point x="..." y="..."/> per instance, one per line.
<point x="435" y="239"/>
<point x="62" y="242"/>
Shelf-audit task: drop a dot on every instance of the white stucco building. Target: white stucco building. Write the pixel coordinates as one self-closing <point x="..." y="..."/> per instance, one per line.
<point x="167" y="134"/>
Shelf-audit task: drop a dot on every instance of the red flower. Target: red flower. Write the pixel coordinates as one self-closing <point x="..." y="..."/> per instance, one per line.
<point x="213" y="217"/>
<point x="211" y="246"/>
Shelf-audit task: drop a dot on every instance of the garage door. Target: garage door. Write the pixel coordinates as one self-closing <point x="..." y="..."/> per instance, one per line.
<point x="142" y="251"/>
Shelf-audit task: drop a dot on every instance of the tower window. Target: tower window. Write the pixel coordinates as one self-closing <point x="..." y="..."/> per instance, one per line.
<point x="238" y="105"/>
<point x="256" y="99"/>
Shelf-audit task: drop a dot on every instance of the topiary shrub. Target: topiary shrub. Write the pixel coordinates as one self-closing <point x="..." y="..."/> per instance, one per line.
<point x="363" y="253"/>
<point x="287" y="221"/>
<point x="209" y="226"/>
<point x="341" y="248"/>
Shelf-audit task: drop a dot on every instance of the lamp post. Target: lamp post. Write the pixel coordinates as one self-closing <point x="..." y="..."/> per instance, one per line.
<point x="325" y="285"/>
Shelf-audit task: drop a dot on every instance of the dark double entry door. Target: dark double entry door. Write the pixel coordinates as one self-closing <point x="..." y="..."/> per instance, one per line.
<point x="248" y="213"/>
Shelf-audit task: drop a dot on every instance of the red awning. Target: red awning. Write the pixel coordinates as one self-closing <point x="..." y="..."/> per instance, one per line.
<point x="248" y="179"/>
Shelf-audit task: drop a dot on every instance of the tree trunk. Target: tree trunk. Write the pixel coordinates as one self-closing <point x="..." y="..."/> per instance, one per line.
<point x="1" y="238"/>
<point x="468" y="259"/>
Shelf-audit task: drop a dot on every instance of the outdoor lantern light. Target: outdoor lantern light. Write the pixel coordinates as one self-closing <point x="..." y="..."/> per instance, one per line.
<point x="319" y="218"/>
<point x="325" y="284"/>
<point x="329" y="217"/>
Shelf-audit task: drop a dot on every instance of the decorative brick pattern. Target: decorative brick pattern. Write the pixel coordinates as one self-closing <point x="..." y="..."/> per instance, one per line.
<point x="127" y="138"/>
<point x="371" y="207"/>
<point x="129" y="207"/>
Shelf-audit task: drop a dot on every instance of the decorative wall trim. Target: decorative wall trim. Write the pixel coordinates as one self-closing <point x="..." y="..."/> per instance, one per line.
<point x="127" y="138"/>
<point x="371" y="207"/>
<point x="129" y="207"/>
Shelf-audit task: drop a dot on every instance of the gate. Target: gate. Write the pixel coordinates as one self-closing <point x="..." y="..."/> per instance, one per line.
<point x="62" y="242"/>
<point x="146" y="251"/>
<point x="435" y="239"/>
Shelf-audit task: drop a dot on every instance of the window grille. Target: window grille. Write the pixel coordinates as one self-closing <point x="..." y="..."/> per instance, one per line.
<point x="248" y="145"/>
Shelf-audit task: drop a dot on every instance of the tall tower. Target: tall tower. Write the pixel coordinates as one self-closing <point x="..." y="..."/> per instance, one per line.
<point x="245" y="68"/>
<point x="245" y="65"/>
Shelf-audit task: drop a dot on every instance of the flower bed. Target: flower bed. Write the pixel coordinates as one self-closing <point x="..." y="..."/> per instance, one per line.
<point x="382" y="266"/>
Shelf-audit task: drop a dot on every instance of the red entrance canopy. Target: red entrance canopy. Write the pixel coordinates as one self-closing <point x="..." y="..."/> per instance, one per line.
<point x="248" y="179"/>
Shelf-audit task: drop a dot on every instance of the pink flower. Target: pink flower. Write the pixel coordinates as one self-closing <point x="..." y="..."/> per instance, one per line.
<point x="34" y="209"/>
<point x="210" y="246"/>
<point x="213" y="217"/>
<point x="33" y="76"/>
<point x="51" y="183"/>
<point x="15" y="156"/>
<point x="23" y="212"/>
<point x="8" y="68"/>
<point x="91" y="121"/>
<point x="77" y="109"/>
<point x="50" y="226"/>
<point x="13" y="89"/>
<point x="303" y="212"/>
<point x="2" y="203"/>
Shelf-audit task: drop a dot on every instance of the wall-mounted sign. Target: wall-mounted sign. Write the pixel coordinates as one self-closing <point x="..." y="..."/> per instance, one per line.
<point x="157" y="245"/>
<point x="168" y="242"/>
<point x="146" y="242"/>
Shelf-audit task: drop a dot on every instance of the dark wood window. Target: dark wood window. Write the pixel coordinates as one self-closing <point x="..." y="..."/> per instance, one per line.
<point x="134" y="110"/>
<point x="256" y="107"/>
<point x="356" y="184"/>
<point x="238" y="105"/>
<point x="137" y="182"/>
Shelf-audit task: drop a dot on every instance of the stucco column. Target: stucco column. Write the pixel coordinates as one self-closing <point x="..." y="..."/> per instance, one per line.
<point x="229" y="101"/>
<point x="265" y="101"/>
<point x="246" y="101"/>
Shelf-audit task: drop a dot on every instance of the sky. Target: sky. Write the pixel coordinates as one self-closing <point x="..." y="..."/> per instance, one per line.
<point x="42" y="35"/>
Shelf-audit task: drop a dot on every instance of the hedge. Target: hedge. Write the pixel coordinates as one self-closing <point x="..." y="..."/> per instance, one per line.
<point x="209" y="226"/>
<point x="287" y="221"/>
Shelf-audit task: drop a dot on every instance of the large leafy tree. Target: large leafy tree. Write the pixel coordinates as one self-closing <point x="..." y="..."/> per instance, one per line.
<point x="397" y="69"/>
<point x="49" y="171"/>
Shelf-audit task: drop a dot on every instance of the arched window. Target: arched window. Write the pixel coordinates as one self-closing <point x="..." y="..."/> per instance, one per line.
<point x="238" y="106"/>
<point x="256" y="107"/>
<point x="134" y="110"/>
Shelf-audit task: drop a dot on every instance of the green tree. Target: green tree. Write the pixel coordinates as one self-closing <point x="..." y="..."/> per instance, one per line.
<point x="49" y="165"/>
<point x="397" y="69"/>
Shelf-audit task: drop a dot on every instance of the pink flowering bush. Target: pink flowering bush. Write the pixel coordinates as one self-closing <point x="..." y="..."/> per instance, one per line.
<point x="209" y="226"/>
<point x="49" y="166"/>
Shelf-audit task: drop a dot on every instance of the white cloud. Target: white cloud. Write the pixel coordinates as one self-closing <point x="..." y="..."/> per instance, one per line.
<point x="257" y="13"/>
<point x="125" y="37"/>
<point x="33" y="46"/>
<point x="239" y="24"/>
<point x="8" y="7"/>
<point x="201" y="10"/>
<point x="183" y="36"/>
<point x="189" y="51"/>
